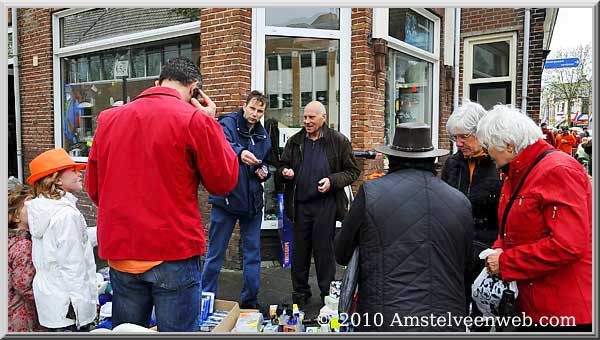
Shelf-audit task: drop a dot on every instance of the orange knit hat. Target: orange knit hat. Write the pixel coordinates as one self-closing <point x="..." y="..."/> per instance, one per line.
<point x="49" y="162"/>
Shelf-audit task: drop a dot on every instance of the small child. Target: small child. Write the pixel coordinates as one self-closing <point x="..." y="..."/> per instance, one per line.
<point x="65" y="286"/>
<point x="22" y="316"/>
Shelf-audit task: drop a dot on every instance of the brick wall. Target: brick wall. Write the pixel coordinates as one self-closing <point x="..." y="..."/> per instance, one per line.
<point x="37" y="117"/>
<point x="368" y="101"/>
<point x="225" y="62"/>
<point x="483" y="21"/>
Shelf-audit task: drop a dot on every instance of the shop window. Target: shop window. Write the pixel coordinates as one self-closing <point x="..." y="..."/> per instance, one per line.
<point x="315" y="18"/>
<point x="408" y="92"/>
<point x="414" y="29"/>
<point x="89" y="85"/>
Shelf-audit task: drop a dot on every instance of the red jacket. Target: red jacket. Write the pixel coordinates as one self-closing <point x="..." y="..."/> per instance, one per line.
<point x="143" y="171"/>
<point x="548" y="235"/>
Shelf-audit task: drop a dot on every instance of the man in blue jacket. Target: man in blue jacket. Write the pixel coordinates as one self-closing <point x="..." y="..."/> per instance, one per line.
<point x="251" y="144"/>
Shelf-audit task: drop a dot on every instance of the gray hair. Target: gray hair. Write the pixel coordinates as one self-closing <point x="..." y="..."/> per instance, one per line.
<point x="465" y="118"/>
<point x="504" y="125"/>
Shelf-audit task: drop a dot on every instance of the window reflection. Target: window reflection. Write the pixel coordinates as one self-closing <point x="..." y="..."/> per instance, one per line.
<point x="408" y="92"/>
<point x="298" y="71"/>
<point x="315" y="18"/>
<point x="412" y="28"/>
<point x="90" y="86"/>
<point x="100" y="23"/>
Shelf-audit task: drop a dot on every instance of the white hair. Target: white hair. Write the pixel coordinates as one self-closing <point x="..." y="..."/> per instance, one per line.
<point x="320" y="107"/>
<point x="504" y="125"/>
<point x="465" y="118"/>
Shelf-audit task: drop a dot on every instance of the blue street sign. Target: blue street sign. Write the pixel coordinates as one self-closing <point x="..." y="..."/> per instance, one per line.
<point x="561" y="63"/>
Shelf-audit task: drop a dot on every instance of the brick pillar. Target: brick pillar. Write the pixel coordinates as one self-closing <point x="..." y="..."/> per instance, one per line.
<point x="37" y="116"/>
<point x="368" y="101"/>
<point x="225" y="62"/>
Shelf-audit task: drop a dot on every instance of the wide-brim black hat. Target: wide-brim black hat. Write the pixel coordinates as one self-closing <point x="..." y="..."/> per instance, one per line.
<point x="412" y="140"/>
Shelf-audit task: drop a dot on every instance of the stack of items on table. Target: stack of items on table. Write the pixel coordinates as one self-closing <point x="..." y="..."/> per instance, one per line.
<point x="284" y="319"/>
<point x="329" y="318"/>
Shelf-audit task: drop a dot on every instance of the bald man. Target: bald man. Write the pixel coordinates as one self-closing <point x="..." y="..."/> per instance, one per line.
<point x="317" y="163"/>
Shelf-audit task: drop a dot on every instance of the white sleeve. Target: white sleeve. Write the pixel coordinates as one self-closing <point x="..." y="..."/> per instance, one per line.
<point x="71" y="261"/>
<point x="92" y="236"/>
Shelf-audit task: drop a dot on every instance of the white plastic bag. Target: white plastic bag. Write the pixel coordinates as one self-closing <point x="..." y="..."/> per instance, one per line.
<point x="487" y="290"/>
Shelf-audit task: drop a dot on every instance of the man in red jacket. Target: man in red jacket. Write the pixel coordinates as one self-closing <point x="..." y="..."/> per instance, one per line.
<point x="146" y="162"/>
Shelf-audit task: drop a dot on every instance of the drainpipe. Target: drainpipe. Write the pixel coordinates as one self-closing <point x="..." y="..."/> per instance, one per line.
<point x="17" y="92"/>
<point x="526" y="29"/>
<point x="456" y="63"/>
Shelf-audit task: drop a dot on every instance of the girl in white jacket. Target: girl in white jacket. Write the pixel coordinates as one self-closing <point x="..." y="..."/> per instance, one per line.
<point x="65" y="286"/>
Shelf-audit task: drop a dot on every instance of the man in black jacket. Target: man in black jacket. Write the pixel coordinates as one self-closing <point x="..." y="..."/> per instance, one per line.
<point x="414" y="234"/>
<point x="474" y="173"/>
<point x="317" y="163"/>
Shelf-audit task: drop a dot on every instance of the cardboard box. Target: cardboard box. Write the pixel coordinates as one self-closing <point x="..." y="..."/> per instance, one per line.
<point x="227" y="324"/>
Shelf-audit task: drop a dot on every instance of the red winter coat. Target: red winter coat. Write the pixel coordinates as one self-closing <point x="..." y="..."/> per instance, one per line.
<point x="548" y="235"/>
<point x="146" y="162"/>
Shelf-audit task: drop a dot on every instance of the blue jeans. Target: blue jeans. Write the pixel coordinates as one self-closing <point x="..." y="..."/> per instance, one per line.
<point x="221" y="227"/>
<point x="172" y="288"/>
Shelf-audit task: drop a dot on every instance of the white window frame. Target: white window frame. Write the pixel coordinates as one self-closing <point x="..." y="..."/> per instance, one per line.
<point x="100" y="45"/>
<point x="259" y="32"/>
<point x="10" y="31"/>
<point x="470" y="42"/>
<point x="381" y="30"/>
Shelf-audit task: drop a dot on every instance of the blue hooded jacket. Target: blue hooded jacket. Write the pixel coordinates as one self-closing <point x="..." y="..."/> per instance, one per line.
<point x="247" y="196"/>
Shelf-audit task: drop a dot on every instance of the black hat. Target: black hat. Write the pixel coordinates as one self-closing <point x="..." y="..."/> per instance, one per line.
<point x="412" y="140"/>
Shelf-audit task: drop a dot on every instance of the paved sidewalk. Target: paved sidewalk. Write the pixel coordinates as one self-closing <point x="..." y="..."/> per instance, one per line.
<point x="275" y="288"/>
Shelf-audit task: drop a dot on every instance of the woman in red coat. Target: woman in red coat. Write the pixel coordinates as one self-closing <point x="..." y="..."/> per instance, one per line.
<point x="545" y="244"/>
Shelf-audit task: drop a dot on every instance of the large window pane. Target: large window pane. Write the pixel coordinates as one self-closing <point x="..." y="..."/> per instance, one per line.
<point x="409" y="91"/>
<point x="491" y="60"/>
<point x="101" y="23"/>
<point x="319" y="18"/>
<point x="299" y="70"/>
<point x="89" y="85"/>
<point x="412" y="28"/>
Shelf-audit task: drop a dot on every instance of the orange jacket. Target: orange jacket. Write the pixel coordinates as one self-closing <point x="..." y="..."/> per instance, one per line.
<point x="566" y="143"/>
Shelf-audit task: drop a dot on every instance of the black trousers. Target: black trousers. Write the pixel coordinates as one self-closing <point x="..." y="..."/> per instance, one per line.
<point x="314" y="231"/>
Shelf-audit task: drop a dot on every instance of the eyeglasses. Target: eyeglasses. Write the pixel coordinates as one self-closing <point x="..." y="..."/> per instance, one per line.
<point x="461" y="136"/>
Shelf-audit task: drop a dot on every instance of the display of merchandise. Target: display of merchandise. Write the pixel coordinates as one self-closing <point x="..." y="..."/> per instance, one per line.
<point x="248" y="323"/>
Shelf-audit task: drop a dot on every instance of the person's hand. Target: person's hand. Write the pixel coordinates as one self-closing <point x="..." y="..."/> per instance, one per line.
<point x="324" y="185"/>
<point x="492" y="262"/>
<point x="248" y="158"/>
<point x="261" y="174"/>
<point x="205" y="104"/>
<point x="287" y="173"/>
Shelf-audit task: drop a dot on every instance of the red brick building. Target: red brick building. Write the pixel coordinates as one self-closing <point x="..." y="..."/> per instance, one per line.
<point x="371" y="68"/>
